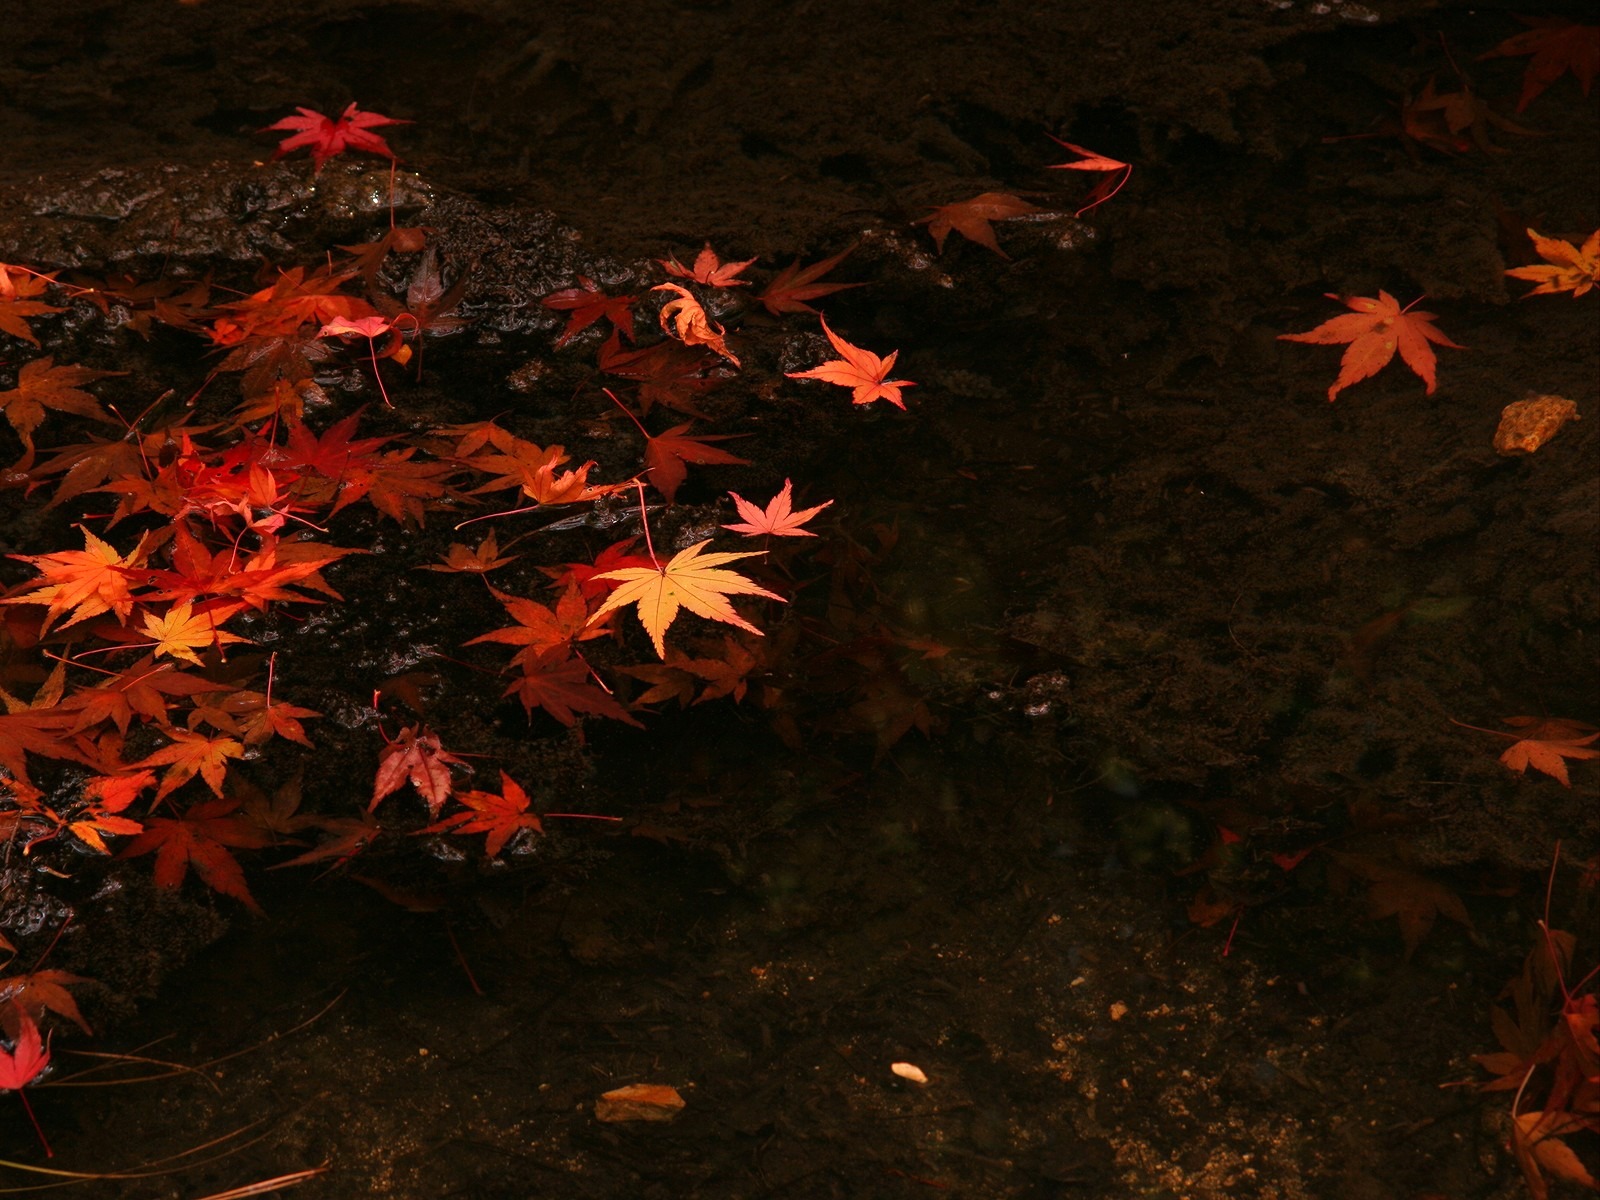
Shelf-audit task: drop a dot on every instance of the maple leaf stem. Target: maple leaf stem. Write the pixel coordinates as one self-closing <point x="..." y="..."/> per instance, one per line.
<point x="577" y="817"/>
<point x="628" y="411"/>
<point x="644" y="520"/>
<point x="372" y="348"/>
<point x="1121" y="183"/>
<point x="28" y="1108"/>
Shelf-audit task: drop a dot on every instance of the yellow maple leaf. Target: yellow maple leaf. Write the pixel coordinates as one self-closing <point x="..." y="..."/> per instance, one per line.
<point x="1566" y="268"/>
<point x="181" y="629"/>
<point x="690" y="580"/>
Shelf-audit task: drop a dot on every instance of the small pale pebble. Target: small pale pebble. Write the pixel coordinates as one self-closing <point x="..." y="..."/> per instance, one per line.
<point x="909" y="1071"/>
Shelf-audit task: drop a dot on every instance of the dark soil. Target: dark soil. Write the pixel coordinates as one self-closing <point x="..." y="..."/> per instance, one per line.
<point x="1185" y="598"/>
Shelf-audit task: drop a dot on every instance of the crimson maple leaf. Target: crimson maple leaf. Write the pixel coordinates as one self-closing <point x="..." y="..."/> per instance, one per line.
<point x="562" y="684"/>
<point x="326" y="136"/>
<point x="1558" y="46"/>
<point x="501" y="817"/>
<point x="1374" y="330"/>
<point x="27" y="997"/>
<point x="970" y="218"/>
<point x="200" y="839"/>
<point x="588" y="304"/>
<point x="417" y="755"/>
<point x="21" y="1065"/>
<point x="862" y="371"/>
<point x="1117" y="173"/>
<point x="666" y="453"/>
<point x="667" y="373"/>
<point x="778" y="519"/>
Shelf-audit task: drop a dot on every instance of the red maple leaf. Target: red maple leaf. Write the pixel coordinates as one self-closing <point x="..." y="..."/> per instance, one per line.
<point x="192" y="754"/>
<point x="667" y="373"/>
<point x="563" y="686"/>
<point x="21" y="1065"/>
<point x="200" y="839"/>
<point x="326" y="136"/>
<point x="417" y="755"/>
<point x="1558" y="46"/>
<point x="862" y="371"/>
<point x="971" y="219"/>
<point x="1117" y="173"/>
<point x="501" y="817"/>
<point x="587" y="304"/>
<point x="666" y="453"/>
<point x="1374" y="330"/>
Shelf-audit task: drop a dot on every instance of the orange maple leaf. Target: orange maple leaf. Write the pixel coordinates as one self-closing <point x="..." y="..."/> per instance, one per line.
<point x="860" y="370"/>
<point x="17" y="287"/>
<point x="778" y="519"/>
<point x="1558" y="46"/>
<point x="460" y="558"/>
<point x="191" y="754"/>
<point x="1543" y="743"/>
<point x="539" y="628"/>
<point x="501" y="817"/>
<point x="708" y="269"/>
<point x="971" y="218"/>
<point x="1374" y="330"/>
<point x="794" y="285"/>
<point x="84" y="582"/>
<point x="685" y="319"/>
<point x="690" y="580"/>
<point x="1566" y="268"/>
<point x="41" y="385"/>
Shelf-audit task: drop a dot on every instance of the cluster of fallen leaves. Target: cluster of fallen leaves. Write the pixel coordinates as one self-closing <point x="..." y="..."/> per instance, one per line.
<point x="1550" y="1061"/>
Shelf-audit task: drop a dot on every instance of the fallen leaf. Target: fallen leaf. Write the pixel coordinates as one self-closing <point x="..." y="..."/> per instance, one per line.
<point x="41" y="385"/>
<point x="910" y="1072"/>
<point x="971" y="219"/>
<point x="794" y="285"/>
<point x="639" y="1102"/>
<point x="17" y="287"/>
<point x="500" y="816"/>
<point x="326" y="136"/>
<point x="1374" y="330"/>
<point x="1557" y="46"/>
<point x="690" y="580"/>
<point x="1414" y="900"/>
<point x="708" y="269"/>
<point x="778" y="519"/>
<point x="587" y="304"/>
<point x="1566" y="268"/>
<point x="862" y="371"/>
<point x="22" y="1064"/>
<point x="417" y="755"/>
<point x="683" y="317"/>
<point x="666" y="453"/>
<point x="200" y="839"/>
